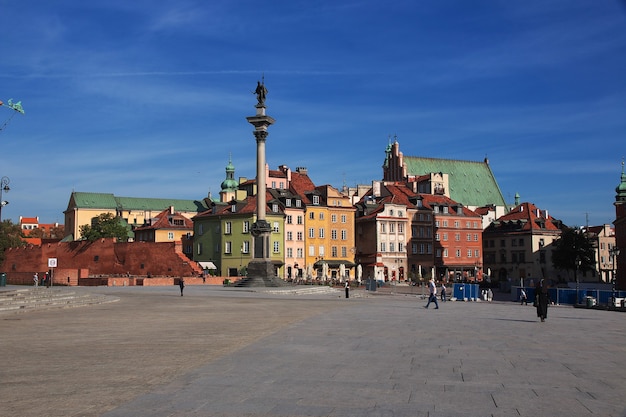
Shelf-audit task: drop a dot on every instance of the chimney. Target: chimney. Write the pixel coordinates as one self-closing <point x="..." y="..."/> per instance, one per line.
<point x="171" y="209"/>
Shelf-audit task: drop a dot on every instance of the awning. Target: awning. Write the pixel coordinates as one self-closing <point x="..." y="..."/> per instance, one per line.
<point x="334" y="264"/>
<point x="207" y="265"/>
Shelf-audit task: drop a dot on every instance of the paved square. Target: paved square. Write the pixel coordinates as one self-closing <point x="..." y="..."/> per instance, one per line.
<point x="234" y="352"/>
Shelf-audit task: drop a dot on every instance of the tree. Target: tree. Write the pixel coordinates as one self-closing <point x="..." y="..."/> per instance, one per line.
<point x="10" y="237"/>
<point x="105" y="225"/>
<point x="573" y="251"/>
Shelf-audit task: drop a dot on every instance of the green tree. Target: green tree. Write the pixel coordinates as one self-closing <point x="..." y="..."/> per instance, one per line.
<point x="10" y="237"/>
<point x="105" y="225"/>
<point x="573" y="251"/>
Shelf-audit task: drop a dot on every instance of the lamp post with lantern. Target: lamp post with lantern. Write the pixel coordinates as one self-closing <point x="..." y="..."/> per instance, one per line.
<point x="614" y="253"/>
<point x="4" y="188"/>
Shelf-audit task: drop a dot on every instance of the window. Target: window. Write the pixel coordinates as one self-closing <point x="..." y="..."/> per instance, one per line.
<point x="316" y="200"/>
<point x="475" y="237"/>
<point x="300" y="219"/>
<point x="228" y="228"/>
<point x="429" y="248"/>
<point x="344" y="218"/>
<point x="246" y="226"/>
<point x="344" y="234"/>
<point x="289" y="235"/>
<point x="445" y="223"/>
<point x="199" y="248"/>
<point x="445" y="237"/>
<point x="436" y="223"/>
<point x="445" y="253"/>
<point x="333" y="234"/>
<point x="311" y="215"/>
<point x="245" y="247"/>
<point x="311" y="233"/>
<point x="468" y="225"/>
<point x="228" y="247"/>
<point x="289" y="253"/>
<point x="333" y="251"/>
<point x="200" y="229"/>
<point x="170" y="235"/>
<point x="437" y="237"/>
<point x="422" y="249"/>
<point x="400" y="213"/>
<point x="469" y="253"/>
<point x="298" y="203"/>
<point x="321" y="251"/>
<point x="322" y="215"/>
<point x="438" y="253"/>
<point x="383" y="247"/>
<point x="276" y="247"/>
<point x="382" y="228"/>
<point x="344" y="252"/>
<point x="321" y="233"/>
<point x="300" y="236"/>
<point x="276" y="227"/>
<point x="469" y="237"/>
<point x="392" y="247"/>
<point x="458" y="253"/>
<point x="392" y="227"/>
<point x="413" y="248"/>
<point x="300" y="253"/>
<point x="400" y="247"/>
<point x="311" y="250"/>
<point x="288" y="202"/>
<point x="445" y="209"/>
<point x="400" y="227"/>
<point x="333" y="218"/>
<point x="289" y="219"/>
<point x="457" y="237"/>
<point x="456" y="224"/>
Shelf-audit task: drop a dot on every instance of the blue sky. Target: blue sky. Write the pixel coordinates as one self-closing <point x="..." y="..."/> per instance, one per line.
<point x="149" y="98"/>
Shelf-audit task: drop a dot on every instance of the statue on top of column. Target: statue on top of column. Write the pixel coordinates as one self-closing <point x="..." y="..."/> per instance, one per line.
<point x="260" y="92"/>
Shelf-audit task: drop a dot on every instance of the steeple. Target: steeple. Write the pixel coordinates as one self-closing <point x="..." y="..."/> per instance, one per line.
<point x="620" y="190"/>
<point x="229" y="185"/>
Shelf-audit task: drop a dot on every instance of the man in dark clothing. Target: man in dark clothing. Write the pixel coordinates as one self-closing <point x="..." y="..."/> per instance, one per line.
<point x="542" y="299"/>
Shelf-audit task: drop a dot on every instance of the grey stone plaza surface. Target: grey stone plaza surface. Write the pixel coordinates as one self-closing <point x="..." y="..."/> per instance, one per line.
<point x="240" y="352"/>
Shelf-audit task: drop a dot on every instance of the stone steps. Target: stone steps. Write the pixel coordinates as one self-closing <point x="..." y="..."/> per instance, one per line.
<point x="42" y="298"/>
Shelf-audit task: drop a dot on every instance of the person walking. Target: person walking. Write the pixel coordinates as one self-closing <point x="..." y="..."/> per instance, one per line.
<point x="443" y="292"/>
<point x="542" y="299"/>
<point x="347" y="286"/>
<point x="181" y="284"/>
<point x="433" y="294"/>
<point x="523" y="297"/>
<point x="36" y="280"/>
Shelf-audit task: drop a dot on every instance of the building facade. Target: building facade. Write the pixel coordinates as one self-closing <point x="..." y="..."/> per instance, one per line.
<point x="518" y="246"/>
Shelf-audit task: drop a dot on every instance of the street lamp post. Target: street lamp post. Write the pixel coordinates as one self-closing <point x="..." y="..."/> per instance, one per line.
<point x="614" y="253"/>
<point x="4" y="187"/>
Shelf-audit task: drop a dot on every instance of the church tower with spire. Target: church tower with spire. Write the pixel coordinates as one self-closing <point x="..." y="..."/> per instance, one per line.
<point x="230" y="185"/>
<point x="620" y="231"/>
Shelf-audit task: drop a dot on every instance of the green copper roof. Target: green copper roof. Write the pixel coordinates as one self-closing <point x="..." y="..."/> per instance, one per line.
<point x="471" y="183"/>
<point x="109" y="201"/>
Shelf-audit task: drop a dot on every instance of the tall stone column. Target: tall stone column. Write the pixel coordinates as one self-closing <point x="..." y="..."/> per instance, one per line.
<point x="261" y="271"/>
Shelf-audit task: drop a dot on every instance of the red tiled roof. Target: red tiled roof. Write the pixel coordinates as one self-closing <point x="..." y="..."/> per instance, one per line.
<point x="163" y="222"/>
<point x="301" y="184"/>
<point x="530" y="218"/>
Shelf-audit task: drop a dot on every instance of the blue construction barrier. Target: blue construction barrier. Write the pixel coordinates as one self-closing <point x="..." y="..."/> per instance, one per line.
<point x="570" y="295"/>
<point x="462" y="291"/>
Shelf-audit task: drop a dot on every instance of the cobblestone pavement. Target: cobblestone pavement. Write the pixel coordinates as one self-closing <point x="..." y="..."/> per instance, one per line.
<point x="235" y="352"/>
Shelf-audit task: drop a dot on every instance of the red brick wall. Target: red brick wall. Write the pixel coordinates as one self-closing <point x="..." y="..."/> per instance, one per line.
<point x="102" y="257"/>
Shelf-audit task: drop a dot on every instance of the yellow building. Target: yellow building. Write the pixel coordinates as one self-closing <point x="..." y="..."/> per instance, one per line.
<point x="329" y="224"/>
<point x="83" y="208"/>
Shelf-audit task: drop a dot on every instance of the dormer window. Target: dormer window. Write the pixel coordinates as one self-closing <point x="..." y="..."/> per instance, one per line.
<point x="298" y="203"/>
<point x="275" y="208"/>
<point x="288" y="202"/>
<point x="316" y="200"/>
